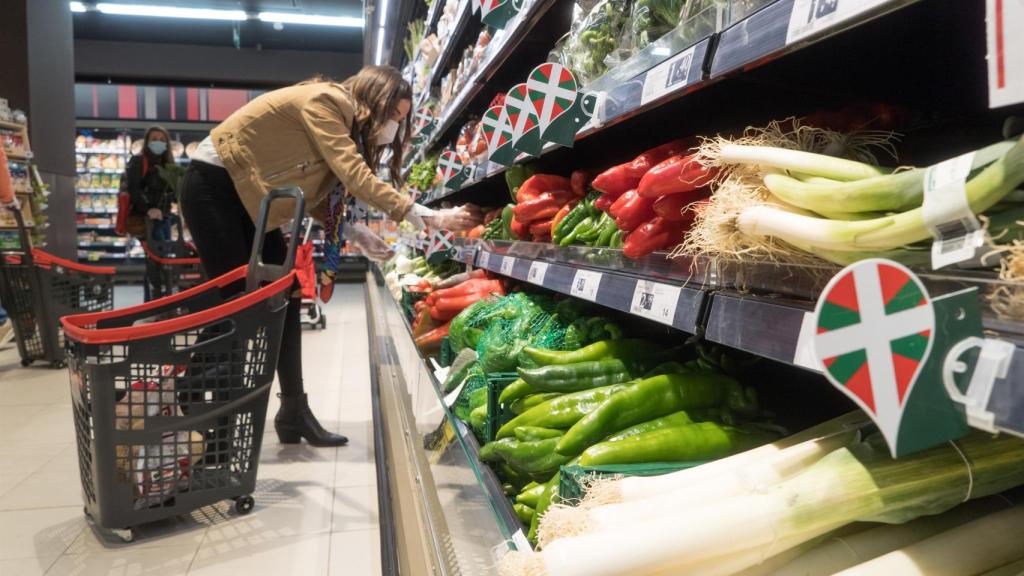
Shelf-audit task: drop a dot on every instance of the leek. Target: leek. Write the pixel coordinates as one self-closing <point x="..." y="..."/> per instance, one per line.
<point x="892" y="192"/>
<point x="807" y="163"/>
<point x="859" y="483"/>
<point x="1014" y="569"/>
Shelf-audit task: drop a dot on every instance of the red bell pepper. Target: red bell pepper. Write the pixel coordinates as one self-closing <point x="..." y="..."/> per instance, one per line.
<point x="492" y="215"/>
<point x="615" y="181"/>
<point x="631" y="211"/>
<point x="604" y="202"/>
<point x="544" y="206"/>
<point x="431" y="341"/>
<point x="579" y="181"/>
<point x="676" y="175"/>
<point x="671" y="207"/>
<point x="651" y="158"/>
<point x="654" y="235"/>
<point x="540" y="183"/>
<point x="542" y="228"/>
<point x="519" y="229"/>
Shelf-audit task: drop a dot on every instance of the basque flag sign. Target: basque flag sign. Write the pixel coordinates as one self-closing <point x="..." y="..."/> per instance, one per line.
<point x="875" y="325"/>
<point x="523" y="119"/>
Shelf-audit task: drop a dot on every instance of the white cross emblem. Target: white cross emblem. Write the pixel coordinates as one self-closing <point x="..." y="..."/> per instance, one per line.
<point x="551" y="90"/>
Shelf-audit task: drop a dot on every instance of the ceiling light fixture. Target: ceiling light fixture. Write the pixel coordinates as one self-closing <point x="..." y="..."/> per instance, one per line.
<point x="311" y="19"/>
<point x="383" y="12"/>
<point x="380" y="46"/>
<point x="170" y="12"/>
<point x="77" y="6"/>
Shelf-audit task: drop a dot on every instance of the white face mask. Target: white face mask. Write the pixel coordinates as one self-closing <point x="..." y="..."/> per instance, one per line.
<point x="386" y="133"/>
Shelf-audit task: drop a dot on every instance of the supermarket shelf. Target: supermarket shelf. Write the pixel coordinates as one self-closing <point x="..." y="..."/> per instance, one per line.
<point x="764" y="35"/>
<point x="101" y="151"/>
<point x="603" y="276"/>
<point x="463" y="13"/>
<point x="433" y="15"/>
<point x="104" y="245"/>
<point x="16" y="156"/>
<point x="84" y="226"/>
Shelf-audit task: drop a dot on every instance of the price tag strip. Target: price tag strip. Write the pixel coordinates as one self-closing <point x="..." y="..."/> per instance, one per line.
<point x="957" y="232"/>
<point x="671" y="75"/>
<point x="485" y="260"/>
<point x="809" y="17"/>
<point x="538" y="270"/>
<point x="508" y="263"/>
<point x="655" y="301"/>
<point x="585" y="284"/>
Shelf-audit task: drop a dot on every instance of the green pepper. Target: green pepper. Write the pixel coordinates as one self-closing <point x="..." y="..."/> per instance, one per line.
<point x="565" y="225"/>
<point x="575" y="377"/>
<point x="690" y="442"/>
<point x="516" y="175"/>
<point x="608" y="229"/>
<point x="537" y="458"/>
<point x="583" y="227"/>
<point x="515" y="390"/>
<point x="561" y="412"/>
<point x="626" y="349"/>
<point x="643" y="401"/>
<point x="680" y="418"/>
<point x="530" y="494"/>
<point x="478" y="417"/>
<point x="550" y="495"/>
<point x="515" y="478"/>
<point x="534" y="433"/>
<point x="523" y="512"/>
<point x="506" y="222"/>
<point x="594" y="232"/>
<point x="527" y="402"/>
<point x="617" y="239"/>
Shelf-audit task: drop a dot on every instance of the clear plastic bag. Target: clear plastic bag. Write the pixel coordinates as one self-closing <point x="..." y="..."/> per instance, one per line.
<point x="595" y="33"/>
<point x="648" y="21"/>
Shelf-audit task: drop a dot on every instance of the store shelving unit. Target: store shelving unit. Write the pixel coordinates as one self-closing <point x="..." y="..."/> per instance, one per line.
<point x="100" y="164"/>
<point x="14" y="138"/>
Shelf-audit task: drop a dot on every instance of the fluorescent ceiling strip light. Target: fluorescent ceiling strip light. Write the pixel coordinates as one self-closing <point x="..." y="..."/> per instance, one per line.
<point x="77" y="6"/>
<point x="380" y="45"/>
<point x="170" y="12"/>
<point x="383" y="12"/>
<point x="311" y="19"/>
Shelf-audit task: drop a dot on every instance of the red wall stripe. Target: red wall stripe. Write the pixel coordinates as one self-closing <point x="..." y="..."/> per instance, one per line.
<point x="192" y="94"/>
<point x="127" y="102"/>
<point x="1000" y="47"/>
<point x="222" y="103"/>
<point x="95" y="102"/>
<point x="173" y="114"/>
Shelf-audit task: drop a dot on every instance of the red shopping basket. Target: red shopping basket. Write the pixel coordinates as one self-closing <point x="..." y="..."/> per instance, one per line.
<point x="174" y="262"/>
<point x="37" y="288"/>
<point x="170" y="396"/>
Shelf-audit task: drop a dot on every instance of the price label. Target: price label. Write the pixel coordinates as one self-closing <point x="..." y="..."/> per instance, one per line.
<point x="468" y="252"/>
<point x="538" y="270"/>
<point x="507" y="264"/>
<point x="672" y="74"/>
<point x="655" y="301"/>
<point x="585" y="284"/>
<point x="485" y="259"/>
<point x="810" y="17"/>
<point x="956" y="230"/>
<point x="519" y="539"/>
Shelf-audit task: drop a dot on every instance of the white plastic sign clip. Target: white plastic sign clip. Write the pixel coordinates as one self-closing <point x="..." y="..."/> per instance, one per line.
<point x="993" y="364"/>
<point x="585" y="284"/>
<point x="655" y="301"/>
<point x="956" y="231"/>
<point x="538" y="270"/>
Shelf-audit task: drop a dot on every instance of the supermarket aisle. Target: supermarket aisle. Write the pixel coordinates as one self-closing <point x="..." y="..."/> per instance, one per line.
<point x="316" y="509"/>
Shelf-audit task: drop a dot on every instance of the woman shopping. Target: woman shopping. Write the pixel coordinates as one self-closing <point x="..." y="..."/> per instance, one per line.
<point x="149" y="198"/>
<point x="326" y="138"/>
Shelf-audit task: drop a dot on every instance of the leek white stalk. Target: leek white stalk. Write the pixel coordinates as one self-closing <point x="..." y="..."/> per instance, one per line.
<point x="761" y="476"/>
<point x="807" y="163"/>
<point x="861" y="483"/>
<point x="892" y="192"/>
<point x="633" y="488"/>
<point x="986" y="189"/>
<point x="984" y="544"/>
<point x="841" y="552"/>
<point x="1012" y="569"/>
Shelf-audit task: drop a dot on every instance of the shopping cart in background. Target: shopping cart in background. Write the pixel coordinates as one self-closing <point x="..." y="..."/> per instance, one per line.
<point x="170" y="396"/>
<point x="175" y="262"/>
<point x="37" y="288"/>
<point x="305" y="269"/>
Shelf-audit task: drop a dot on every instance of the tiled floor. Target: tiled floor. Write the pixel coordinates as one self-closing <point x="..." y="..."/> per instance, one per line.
<point x="316" y="508"/>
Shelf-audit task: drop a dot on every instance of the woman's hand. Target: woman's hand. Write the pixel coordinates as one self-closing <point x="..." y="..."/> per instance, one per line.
<point x="457" y="218"/>
<point x="154" y="214"/>
<point x="373" y="246"/>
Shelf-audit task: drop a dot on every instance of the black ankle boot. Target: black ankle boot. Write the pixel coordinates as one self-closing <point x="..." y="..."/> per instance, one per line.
<point x="295" y="421"/>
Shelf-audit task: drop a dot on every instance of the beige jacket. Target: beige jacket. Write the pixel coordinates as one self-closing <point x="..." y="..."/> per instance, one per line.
<point x="299" y="136"/>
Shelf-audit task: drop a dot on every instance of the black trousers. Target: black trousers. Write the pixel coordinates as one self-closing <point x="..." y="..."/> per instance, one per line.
<point x="223" y="234"/>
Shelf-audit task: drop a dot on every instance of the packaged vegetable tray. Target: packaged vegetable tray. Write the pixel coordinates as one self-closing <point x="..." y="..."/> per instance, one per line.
<point x="574" y="478"/>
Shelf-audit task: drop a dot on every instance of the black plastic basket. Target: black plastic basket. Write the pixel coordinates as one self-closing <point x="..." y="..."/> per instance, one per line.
<point x="174" y="262"/>
<point x="38" y="288"/>
<point x="170" y="397"/>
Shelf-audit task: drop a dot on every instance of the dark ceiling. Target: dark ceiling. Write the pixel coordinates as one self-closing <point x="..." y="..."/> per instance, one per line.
<point x="251" y="33"/>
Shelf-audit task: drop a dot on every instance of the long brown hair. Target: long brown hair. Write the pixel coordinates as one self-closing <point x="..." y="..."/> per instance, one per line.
<point x="167" y="157"/>
<point x="376" y="92"/>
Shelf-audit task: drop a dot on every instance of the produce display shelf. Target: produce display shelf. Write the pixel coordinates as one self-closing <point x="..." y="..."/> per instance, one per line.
<point x="433" y="15"/>
<point x="448" y="50"/>
<point x="17" y="156"/>
<point x="497" y="54"/>
<point x="97" y="190"/>
<point x="764" y="309"/>
<point x="772" y="31"/>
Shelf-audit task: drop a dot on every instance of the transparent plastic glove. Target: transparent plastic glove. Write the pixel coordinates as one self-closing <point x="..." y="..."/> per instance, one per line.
<point x="373" y="246"/>
<point x="457" y="218"/>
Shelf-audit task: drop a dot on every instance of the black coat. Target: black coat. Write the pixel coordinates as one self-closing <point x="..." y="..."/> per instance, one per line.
<point x="146" y="191"/>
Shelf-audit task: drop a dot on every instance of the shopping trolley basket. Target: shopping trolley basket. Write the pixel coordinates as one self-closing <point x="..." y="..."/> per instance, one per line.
<point x="305" y="270"/>
<point x="37" y="288"/>
<point x="170" y="397"/>
<point x="175" y="262"/>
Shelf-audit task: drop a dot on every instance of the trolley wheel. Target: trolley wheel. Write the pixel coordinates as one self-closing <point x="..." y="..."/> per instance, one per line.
<point x="124" y="534"/>
<point x="323" y="321"/>
<point x="25" y="363"/>
<point x="244" y="504"/>
<point x="59" y="365"/>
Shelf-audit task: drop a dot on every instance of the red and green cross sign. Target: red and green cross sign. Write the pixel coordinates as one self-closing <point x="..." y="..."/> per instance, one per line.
<point x="449" y="164"/>
<point x="875" y="324"/>
<point x="552" y="89"/>
<point x="498" y="134"/>
<point x="523" y="119"/>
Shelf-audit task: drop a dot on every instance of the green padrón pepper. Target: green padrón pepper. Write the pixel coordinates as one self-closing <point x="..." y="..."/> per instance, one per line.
<point x="561" y="412"/>
<point x="645" y="400"/>
<point x="629" y="350"/>
<point x="690" y="442"/>
<point x="576" y="377"/>
<point x="536" y="458"/>
<point x="515" y="390"/>
<point x="534" y="433"/>
<point x="531" y="495"/>
<point x="527" y="402"/>
<point x="523" y="512"/>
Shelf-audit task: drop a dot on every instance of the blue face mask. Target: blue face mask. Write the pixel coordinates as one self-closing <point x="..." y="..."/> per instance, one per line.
<point x="157" y="147"/>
